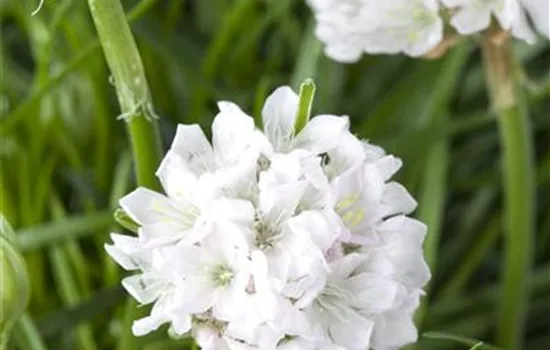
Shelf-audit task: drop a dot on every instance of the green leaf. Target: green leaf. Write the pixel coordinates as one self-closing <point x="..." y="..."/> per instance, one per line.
<point x="67" y="318"/>
<point x="14" y="282"/>
<point x="38" y="237"/>
<point x="27" y="336"/>
<point x="474" y="344"/>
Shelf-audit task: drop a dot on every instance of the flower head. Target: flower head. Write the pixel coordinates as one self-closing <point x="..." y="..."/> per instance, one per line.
<point x="350" y="28"/>
<point x="275" y="240"/>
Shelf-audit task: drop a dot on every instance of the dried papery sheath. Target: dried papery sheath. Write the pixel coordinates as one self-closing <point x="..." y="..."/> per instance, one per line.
<point x="287" y="238"/>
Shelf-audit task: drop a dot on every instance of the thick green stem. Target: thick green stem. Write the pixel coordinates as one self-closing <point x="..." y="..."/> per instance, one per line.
<point x="132" y="90"/>
<point x="518" y="179"/>
<point x="146" y="150"/>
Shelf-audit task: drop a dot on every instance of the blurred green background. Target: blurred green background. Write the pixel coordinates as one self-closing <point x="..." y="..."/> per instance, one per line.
<point x="65" y="158"/>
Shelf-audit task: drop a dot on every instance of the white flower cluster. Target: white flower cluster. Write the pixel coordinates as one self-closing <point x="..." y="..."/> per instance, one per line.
<point x="415" y="27"/>
<point x="276" y="240"/>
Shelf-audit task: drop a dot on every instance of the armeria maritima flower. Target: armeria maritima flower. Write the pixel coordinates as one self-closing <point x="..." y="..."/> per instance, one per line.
<point x="276" y="239"/>
<point x="349" y="28"/>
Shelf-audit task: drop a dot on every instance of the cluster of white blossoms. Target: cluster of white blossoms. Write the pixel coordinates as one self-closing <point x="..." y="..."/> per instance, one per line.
<point x="276" y="240"/>
<point x="415" y="27"/>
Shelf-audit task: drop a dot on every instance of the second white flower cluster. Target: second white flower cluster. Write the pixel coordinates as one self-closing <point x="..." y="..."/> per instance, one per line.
<point x="276" y="240"/>
<point x="415" y="27"/>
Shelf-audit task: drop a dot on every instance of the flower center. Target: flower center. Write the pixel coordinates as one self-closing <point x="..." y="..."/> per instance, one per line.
<point x="265" y="235"/>
<point x="334" y="299"/>
<point x="222" y="275"/>
<point x="351" y="214"/>
<point x="185" y="214"/>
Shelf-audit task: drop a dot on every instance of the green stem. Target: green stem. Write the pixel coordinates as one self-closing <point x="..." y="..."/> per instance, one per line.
<point x="462" y="340"/>
<point x="146" y="149"/>
<point x="27" y="336"/>
<point x="125" y="63"/>
<point x="519" y="190"/>
<point x="91" y="48"/>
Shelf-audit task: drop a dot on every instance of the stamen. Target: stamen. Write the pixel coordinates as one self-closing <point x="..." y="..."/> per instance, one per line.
<point x="222" y="275"/>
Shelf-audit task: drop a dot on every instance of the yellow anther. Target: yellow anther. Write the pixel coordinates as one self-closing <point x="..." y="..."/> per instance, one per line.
<point x="353" y="218"/>
<point x="346" y="202"/>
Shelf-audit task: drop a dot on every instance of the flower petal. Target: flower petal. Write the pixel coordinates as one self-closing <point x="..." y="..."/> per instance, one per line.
<point x="398" y="199"/>
<point x="176" y="178"/>
<point x="142" y="287"/>
<point x="147" y="207"/>
<point x="163" y="233"/>
<point x="279" y="115"/>
<point x="539" y="12"/>
<point x="321" y="133"/>
<point x="470" y="20"/>
<point x="191" y="145"/>
<point x="352" y="334"/>
<point x="127" y="252"/>
<point x="233" y="132"/>
<point x="373" y="293"/>
<point x="146" y="325"/>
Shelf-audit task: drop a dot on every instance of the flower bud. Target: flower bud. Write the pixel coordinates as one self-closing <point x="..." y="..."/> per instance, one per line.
<point x="14" y="281"/>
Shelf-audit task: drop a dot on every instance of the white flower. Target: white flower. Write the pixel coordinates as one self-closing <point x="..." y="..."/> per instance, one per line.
<point x="409" y="26"/>
<point x="475" y="15"/>
<point x="471" y="16"/>
<point x="395" y="328"/>
<point x="349" y="28"/>
<point x="276" y="241"/>
<point x="365" y="198"/>
<point x="279" y="115"/>
<point x="342" y="311"/>
<point x="188" y="211"/>
<point x="154" y="284"/>
<point x="215" y="273"/>
<point x="539" y="13"/>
